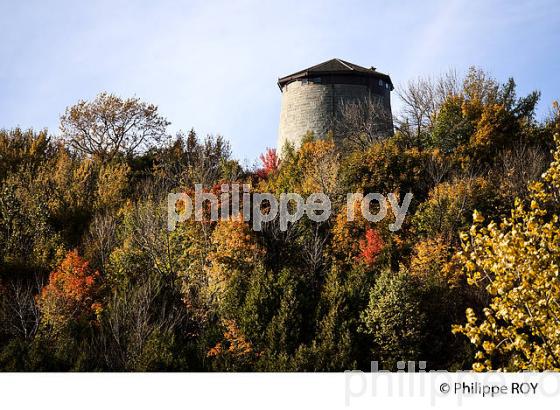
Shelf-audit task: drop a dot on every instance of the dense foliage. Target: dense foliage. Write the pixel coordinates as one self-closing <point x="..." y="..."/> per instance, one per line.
<point x="92" y="279"/>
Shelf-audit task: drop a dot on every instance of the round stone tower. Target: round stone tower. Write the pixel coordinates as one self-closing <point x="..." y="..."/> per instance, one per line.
<point x="312" y="97"/>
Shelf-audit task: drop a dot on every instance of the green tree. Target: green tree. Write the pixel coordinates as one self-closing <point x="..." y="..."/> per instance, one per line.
<point x="394" y="319"/>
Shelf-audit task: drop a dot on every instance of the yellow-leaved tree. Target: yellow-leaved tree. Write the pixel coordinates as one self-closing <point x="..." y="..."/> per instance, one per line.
<point x="518" y="262"/>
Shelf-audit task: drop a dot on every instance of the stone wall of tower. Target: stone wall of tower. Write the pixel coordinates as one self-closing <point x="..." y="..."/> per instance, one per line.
<point x="305" y="107"/>
<point x="308" y="106"/>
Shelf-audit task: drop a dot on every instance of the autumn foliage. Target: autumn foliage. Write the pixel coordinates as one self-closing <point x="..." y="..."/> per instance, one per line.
<point x="515" y="260"/>
<point x="71" y="292"/>
<point x="319" y="296"/>
<point x="234" y="343"/>
<point x="270" y="163"/>
<point x="370" y="246"/>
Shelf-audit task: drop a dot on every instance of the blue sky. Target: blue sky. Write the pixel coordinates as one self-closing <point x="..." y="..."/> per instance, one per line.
<point x="213" y="65"/>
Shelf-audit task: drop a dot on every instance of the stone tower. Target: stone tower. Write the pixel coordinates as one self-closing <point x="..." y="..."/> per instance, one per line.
<point x="311" y="97"/>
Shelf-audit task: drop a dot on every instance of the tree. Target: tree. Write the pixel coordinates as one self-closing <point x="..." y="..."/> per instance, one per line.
<point x="28" y="240"/>
<point x="313" y="167"/>
<point x="517" y="167"/>
<point x="483" y="118"/>
<point x="371" y="246"/>
<point x="141" y="326"/>
<point x="70" y="295"/>
<point x="270" y="163"/>
<point x="387" y="167"/>
<point x="422" y="99"/>
<point x="395" y="320"/>
<point x="361" y="123"/>
<point x="449" y="206"/>
<point x="189" y="160"/>
<point x="234" y="250"/>
<point x="19" y="313"/>
<point x="21" y="149"/>
<point x="234" y="352"/>
<point x="451" y="129"/>
<point x="110" y="125"/>
<point x="516" y="261"/>
<point x="146" y="323"/>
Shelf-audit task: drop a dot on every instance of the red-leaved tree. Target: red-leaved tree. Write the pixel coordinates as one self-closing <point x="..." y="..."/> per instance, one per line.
<point x="270" y="163"/>
<point x="371" y="246"/>
<point x="70" y="293"/>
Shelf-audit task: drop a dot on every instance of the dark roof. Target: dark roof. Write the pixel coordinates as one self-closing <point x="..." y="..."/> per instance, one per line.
<point x="334" y="66"/>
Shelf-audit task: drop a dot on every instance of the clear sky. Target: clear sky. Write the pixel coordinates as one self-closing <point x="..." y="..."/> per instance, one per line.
<point x="213" y="65"/>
